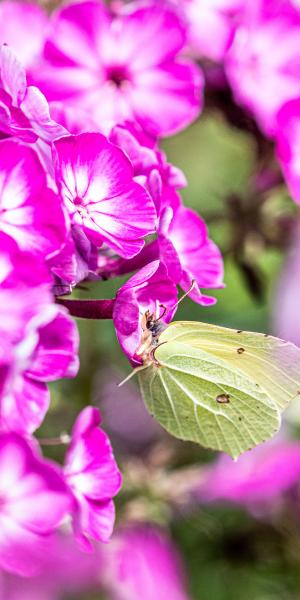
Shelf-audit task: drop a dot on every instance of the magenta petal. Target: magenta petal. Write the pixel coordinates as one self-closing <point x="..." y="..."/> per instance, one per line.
<point x="122" y="66"/>
<point x="35" y="107"/>
<point x="34" y="500"/>
<point x="145" y="564"/>
<point x="24" y="405"/>
<point x="95" y="520"/>
<point x="93" y="477"/>
<point x="168" y="98"/>
<point x="12" y="75"/>
<point x="96" y="182"/>
<point x="56" y="354"/>
<point x="32" y="214"/>
<point x="22" y="27"/>
<point x="257" y="478"/>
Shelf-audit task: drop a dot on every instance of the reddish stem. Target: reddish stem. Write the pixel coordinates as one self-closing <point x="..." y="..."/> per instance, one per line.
<point x="88" y="309"/>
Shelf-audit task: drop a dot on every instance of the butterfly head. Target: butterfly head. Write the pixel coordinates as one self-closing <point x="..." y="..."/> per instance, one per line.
<point x="152" y="327"/>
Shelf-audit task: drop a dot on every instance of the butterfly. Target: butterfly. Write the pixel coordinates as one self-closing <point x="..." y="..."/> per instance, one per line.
<point x="222" y="388"/>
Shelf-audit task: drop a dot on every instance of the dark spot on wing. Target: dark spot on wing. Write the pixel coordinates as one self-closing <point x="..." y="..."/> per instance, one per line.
<point x="240" y="418"/>
<point x="240" y="350"/>
<point x="239" y="331"/>
<point x="223" y="399"/>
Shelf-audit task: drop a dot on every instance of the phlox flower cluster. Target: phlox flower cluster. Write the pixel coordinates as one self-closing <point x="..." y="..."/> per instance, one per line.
<point x="86" y="193"/>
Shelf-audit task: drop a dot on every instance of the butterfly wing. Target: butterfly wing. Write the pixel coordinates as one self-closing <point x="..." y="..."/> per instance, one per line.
<point x="268" y="361"/>
<point x="183" y="391"/>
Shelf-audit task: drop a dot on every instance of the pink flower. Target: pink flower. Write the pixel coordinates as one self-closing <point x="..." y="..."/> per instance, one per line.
<point x="143" y="563"/>
<point x="24" y="111"/>
<point x="288" y="145"/>
<point x="34" y="500"/>
<point x="211" y="26"/>
<point x="122" y="66"/>
<point x="263" y="73"/>
<point x="40" y="339"/>
<point x="75" y="262"/>
<point x="151" y="169"/>
<point x="95" y="180"/>
<point x="30" y="213"/>
<point x="22" y="27"/>
<point x="146" y="290"/>
<point x="93" y="477"/>
<point x="258" y="478"/>
<point x="189" y="254"/>
<point x="64" y="569"/>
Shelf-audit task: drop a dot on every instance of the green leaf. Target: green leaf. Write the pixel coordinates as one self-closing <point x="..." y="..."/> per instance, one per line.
<point x="221" y="388"/>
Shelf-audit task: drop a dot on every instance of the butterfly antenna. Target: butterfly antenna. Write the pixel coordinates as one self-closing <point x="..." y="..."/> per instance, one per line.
<point x="132" y="374"/>
<point x="184" y="296"/>
<point x="165" y="309"/>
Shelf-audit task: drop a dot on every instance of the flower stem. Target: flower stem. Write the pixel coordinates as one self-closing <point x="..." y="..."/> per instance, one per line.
<point x="88" y="309"/>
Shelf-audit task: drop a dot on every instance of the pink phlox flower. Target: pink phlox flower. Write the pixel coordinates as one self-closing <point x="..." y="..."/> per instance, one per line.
<point x="22" y="27"/>
<point x="259" y="478"/>
<point x="64" y="569"/>
<point x="42" y="341"/>
<point x="30" y="212"/>
<point x="122" y="66"/>
<point x="77" y="261"/>
<point x="210" y="26"/>
<point x="144" y="563"/>
<point x="24" y="111"/>
<point x="263" y="74"/>
<point x="189" y="254"/>
<point x="151" y="169"/>
<point x="146" y="290"/>
<point x="95" y="180"/>
<point x="33" y="502"/>
<point x="288" y="145"/>
<point x="93" y="477"/>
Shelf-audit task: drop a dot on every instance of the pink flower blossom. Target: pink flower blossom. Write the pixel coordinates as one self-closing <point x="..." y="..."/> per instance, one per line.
<point x="144" y="563"/>
<point x="146" y="290"/>
<point x="95" y="179"/>
<point x="211" y="26"/>
<point x="22" y="27"/>
<point x="41" y="340"/>
<point x="77" y="261"/>
<point x="151" y="169"/>
<point x="189" y="254"/>
<point x="93" y="477"/>
<point x="64" y="569"/>
<point x="258" y="478"/>
<point x="288" y="145"/>
<point x="263" y="73"/>
<point x="30" y="213"/>
<point x="24" y="111"/>
<point x="34" y="500"/>
<point x="121" y="66"/>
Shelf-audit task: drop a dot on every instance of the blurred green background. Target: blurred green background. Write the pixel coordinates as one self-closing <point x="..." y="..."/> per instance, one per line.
<point x="228" y="554"/>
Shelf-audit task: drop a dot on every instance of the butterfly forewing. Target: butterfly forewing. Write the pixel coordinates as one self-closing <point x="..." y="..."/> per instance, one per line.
<point x="268" y="361"/>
